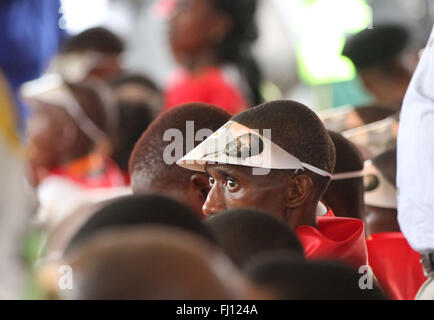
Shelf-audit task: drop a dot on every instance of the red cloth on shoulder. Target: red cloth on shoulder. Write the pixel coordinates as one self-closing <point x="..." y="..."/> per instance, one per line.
<point x="335" y="238"/>
<point x="395" y="264"/>
<point x="208" y="86"/>
<point x="329" y="213"/>
<point x="92" y="171"/>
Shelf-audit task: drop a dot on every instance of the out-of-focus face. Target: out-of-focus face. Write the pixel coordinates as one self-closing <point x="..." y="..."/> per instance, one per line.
<point x="235" y="187"/>
<point x="388" y="90"/>
<point x="41" y="128"/>
<point x="51" y="134"/>
<point x="194" y="28"/>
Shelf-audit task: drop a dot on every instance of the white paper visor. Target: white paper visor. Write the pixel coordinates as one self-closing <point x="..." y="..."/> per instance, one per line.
<point x="378" y="191"/>
<point x="51" y="89"/>
<point x="348" y="175"/>
<point x="237" y="144"/>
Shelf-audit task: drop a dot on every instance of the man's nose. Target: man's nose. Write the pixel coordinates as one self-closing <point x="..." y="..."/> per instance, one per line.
<point x="214" y="202"/>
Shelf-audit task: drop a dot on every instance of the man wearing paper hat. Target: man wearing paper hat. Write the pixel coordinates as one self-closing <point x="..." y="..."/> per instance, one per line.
<point x="278" y="157"/>
<point x="415" y="174"/>
<point x="394" y="263"/>
<point x="67" y="124"/>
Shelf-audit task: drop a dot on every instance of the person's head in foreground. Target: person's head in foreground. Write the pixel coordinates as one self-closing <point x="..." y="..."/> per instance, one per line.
<point x="245" y="233"/>
<point x="153" y="161"/>
<point x="140" y="210"/>
<point x="299" y="146"/>
<point x="152" y="263"/>
<point x="67" y="122"/>
<point x="384" y="62"/>
<point x="345" y="192"/>
<point x="380" y="193"/>
<point x="286" y="278"/>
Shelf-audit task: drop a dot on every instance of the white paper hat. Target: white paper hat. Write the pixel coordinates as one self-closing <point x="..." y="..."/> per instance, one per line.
<point x="237" y="144"/>
<point x="379" y="192"/>
<point x="52" y="89"/>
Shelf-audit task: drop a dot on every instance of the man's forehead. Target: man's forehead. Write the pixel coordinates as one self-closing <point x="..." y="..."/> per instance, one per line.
<point x="229" y="169"/>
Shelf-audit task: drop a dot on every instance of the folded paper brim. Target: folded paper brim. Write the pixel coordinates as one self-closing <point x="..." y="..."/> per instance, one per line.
<point x="376" y="137"/>
<point x="237" y="144"/>
<point x="378" y="191"/>
<point x="51" y="89"/>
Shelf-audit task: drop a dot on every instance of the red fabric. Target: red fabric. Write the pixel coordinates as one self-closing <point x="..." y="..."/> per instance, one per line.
<point x="395" y="264"/>
<point x="329" y="213"/>
<point x="127" y="178"/>
<point x="335" y="238"/>
<point x="209" y="86"/>
<point x="92" y="171"/>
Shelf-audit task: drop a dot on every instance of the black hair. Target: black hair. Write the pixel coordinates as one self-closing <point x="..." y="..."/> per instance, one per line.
<point x="133" y="119"/>
<point x="140" y="210"/>
<point x="246" y="233"/>
<point x="97" y="39"/>
<point x="295" y="279"/>
<point x="296" y="129"/>
<point x="345" y="196"/>
<point x="236" y="47"/>
<point x="147" y="165"/>
<point x="377" y="46"/>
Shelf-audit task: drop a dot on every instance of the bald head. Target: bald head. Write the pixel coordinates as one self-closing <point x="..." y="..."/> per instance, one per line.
<point x="152" y="263"/>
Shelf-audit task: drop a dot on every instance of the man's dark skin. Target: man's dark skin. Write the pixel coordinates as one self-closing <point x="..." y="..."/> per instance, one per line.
<point x="287" y="196"/>
<point x="380" y="220"/>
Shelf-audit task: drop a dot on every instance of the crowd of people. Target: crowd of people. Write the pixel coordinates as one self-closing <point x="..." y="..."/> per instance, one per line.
<point x="204" y="190"/>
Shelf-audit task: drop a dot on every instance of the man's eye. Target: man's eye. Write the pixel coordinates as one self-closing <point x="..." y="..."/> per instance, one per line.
<point x="231" y="184"/>
<point x="211" y="181"/>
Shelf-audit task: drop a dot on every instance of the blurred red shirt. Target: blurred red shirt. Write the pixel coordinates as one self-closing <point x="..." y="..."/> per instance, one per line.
<point x="210" y="85"/>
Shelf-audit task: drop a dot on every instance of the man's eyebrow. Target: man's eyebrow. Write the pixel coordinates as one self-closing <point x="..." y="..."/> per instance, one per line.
<point x="224" y="171"/>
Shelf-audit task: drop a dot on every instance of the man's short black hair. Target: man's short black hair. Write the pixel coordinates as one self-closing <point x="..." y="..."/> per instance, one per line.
<point x="348" y="157"/>
<point x="140" y="210"/>
<point x="246" y="233"/>
<point x="133" y="119"/>
<point x="288" y="278"/>
<point x="377" y="46"/>
<point x="345" y="196"/>
<point x="296" y="129"/>
<point x="97" y="39"/>
<point x="147" y="166"/>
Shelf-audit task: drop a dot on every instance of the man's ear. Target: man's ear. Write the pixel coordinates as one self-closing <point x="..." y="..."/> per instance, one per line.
<point x="200" y="184"/>
<point x="299" y="190"/>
